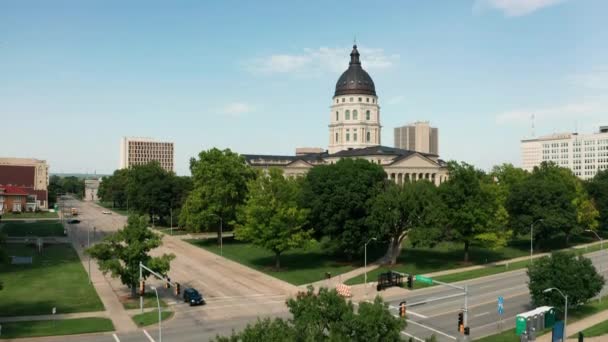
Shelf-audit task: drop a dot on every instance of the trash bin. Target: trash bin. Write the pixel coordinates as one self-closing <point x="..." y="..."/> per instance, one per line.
<point x="550" y="318"/>
<point x="581" y="337"/>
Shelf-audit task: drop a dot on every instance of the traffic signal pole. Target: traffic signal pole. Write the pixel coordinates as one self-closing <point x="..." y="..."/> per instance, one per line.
<point x="157" y="275"/>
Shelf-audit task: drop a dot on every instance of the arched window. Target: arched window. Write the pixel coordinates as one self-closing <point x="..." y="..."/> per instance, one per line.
<point x="351" y="99"/>
<point x="337" y="100"/>
<point x="360" y="99"/>
<point x="347" y="134"/>
<point x="355" y="136"/>
<point x="367" y="115"/>
<point x="368" y="137"/>
<point x="355" y="115"/>
<point x="336" y="136"/>
<point x="343" y="99"/>
<point x="347" y="115"/>
<point x="337" y="116"/>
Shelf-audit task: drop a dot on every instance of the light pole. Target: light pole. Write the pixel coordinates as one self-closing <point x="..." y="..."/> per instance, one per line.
<point x="565" y="307"/>
<point x="160" y="328"/>
<point x="601" y="249"/>
<point x="365" y="261"/>
<point x="532" y="238"/>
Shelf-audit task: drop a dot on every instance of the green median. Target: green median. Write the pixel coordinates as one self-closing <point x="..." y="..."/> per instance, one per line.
<point x="151" y="317"/>
<point x="55" y="327"/>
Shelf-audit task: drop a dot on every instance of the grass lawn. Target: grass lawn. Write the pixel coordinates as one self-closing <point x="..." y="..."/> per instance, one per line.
<point x="55" y="279"/>
<point x="39" y="228"/>
<point x="297" y="266"/>
<point x="596" y="330"/>
<point x="149" y="302"/>
<point x="32" y="215"/>
<point x="151" y="317"/>
<point x="121" y="211"/>
<point x="59" y="327"/>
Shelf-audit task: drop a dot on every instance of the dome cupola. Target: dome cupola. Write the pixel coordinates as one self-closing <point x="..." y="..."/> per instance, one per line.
<point x="355" y="80"/>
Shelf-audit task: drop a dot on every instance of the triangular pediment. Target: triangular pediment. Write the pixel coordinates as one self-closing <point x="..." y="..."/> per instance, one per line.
<point x="299" y="163"/>
<point x="414" y="160"/>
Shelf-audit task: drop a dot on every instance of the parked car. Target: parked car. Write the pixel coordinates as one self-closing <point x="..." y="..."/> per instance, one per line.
<point x="73" y="221"/>
<point x="193" y="297"/>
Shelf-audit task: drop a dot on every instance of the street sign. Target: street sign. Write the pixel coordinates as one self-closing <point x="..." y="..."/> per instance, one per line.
<point x="501" y="305"/>
<point x="424" y="279"/>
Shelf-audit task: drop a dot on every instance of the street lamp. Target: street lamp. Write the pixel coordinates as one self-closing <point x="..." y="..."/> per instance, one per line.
<point x="532" y="237"/>
<point x="160" y="330"/>
<point x="365" y="261"/>
<point x="565" y="307"/>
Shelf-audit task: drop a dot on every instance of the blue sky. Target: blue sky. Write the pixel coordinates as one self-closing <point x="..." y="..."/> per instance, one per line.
<point x="258" y="76"/>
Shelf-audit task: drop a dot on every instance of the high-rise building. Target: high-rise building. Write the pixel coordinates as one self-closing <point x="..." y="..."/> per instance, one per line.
<point x="419" y="137"/>
<point x="140" y="151"/>
<point x="584" y="154"/>
<point x="31" y="176"/>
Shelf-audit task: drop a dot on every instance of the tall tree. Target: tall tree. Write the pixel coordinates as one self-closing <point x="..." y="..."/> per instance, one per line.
<point x="574" y="275"/>
<point x="220" y="186"/>
<point x="150" y="189"/>
<point x="120" y="253"/>
<point x="473" y="208"/>
<point x="413" y="210"/>
<point x="267" y="330"/>
<point x="338" y="196"/>
<point x="113" y="189"/>
<point x="271" y="217"/>
<point x="598" y="191"/>
<point x="549" y="198"/>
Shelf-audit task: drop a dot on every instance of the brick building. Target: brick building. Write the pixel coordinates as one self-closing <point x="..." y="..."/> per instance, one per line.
<point x="29" y="175"/>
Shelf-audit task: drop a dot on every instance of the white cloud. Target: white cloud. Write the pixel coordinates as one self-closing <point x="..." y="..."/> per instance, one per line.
<point x="237" y="109"/>
<point x="567" y="111"/>
<point x="320" y="60"/>
<point x="513" y="8"/>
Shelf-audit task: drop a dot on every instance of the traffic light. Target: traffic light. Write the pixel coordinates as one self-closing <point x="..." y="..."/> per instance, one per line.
<point x="168" y="283"/>
<point x="461" y="322"/>
<point x="467" y="331"/>
<point x="142" y="287"/>
<point x="177" y="289"/>
<point x="410" y="281"/>
<point x="402" y="309"/>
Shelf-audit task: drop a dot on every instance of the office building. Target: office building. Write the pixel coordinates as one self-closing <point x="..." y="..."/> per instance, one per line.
<point x="140" y="151"/>
<point x="419" y="137"/>
<point x="584" y="154"/>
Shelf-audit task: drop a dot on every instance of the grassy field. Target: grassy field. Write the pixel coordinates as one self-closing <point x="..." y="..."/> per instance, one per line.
<point x="596" y="330"/>
<point x="59" y="327"/>
<point x="121" y="211"/>
<point x="297" y="266"/>
<point x="149" y="302"/>
<point x="31" y="215"/>
<point x="151" y="317"/>
<point x="39" y="228"/>
<point x="55" y="279"/>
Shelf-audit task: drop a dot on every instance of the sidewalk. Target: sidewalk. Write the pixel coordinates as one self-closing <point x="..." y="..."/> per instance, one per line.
<point x="581" y="325"/>
<point x="341" y="278"/>
<point x="53" y="317"/>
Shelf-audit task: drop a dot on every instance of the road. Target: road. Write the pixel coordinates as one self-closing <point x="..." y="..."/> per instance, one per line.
<point x="426" y="317"/>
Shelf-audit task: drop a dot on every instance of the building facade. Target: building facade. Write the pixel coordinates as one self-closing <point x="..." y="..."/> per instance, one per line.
<point x="419" y="137"/>
<point x="354" y="132"/>
<point x="584" y="154"/>
<point x="14" y="199"/>
<point x="30" y="175"/>
<point x="140" y="151"/>
<point x="91" y="186"/>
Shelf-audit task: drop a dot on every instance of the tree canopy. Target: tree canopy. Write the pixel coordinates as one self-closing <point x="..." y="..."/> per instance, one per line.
<point x="574" y="275"/>
<point x="474" y="211"/>
<point x="220" y="186"/>
<point x="413" y="210"/>
<point x="271" y="217"/>
<point x="120" y="253"/>
<point x="338" y="197"/>
<point x="61" y="185"/>
<point x="598" y="191"/>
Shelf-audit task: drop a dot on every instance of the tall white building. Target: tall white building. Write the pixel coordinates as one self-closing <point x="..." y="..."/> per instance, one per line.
<point x="355" y="114"/>
<point x="584" y="154"/>
<point x="419" y="137"/>
<point x="140" y="151"/>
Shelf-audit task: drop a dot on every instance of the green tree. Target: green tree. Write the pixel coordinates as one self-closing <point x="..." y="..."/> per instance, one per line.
<point x="113" y="189"/>
<point x="120" y="253"/>
<point x="219" y="188"/>
<point x="574" y="275"/>
<point x="271" y="216"/>
<point x="598" y="191"/>
<point x="338" y="196"/>
<point x="413" y="210"/>
<point x="473" y="207"/>
<point x="150" y="189"/>
<point x="549" y="198"/>
<point x="267" y="330"/>
<point x="3" y="256"/>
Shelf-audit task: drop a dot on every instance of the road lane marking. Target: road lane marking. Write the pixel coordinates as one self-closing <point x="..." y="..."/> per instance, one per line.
<point x="116" y="338"/>
<point x="410" y="312"/>
<point x="148" y="336"/>
<point x="481" y="304"/>
<point x="482" y="314"/>
<point x="431" y="329"/>
<point x="412" y="336"/>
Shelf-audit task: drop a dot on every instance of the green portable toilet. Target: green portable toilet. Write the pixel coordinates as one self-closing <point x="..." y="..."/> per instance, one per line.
<point x="550" y="318"/>
<point x="520" y="324"/>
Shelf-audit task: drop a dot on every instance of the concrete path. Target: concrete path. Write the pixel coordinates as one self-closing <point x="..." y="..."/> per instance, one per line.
<point x="581" y="325"/>
<point x="52" y="317"/>
<point x="341" y="278"/>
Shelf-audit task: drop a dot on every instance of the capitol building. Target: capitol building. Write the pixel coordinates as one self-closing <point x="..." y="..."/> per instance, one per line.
<point x="355" y="132"/>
